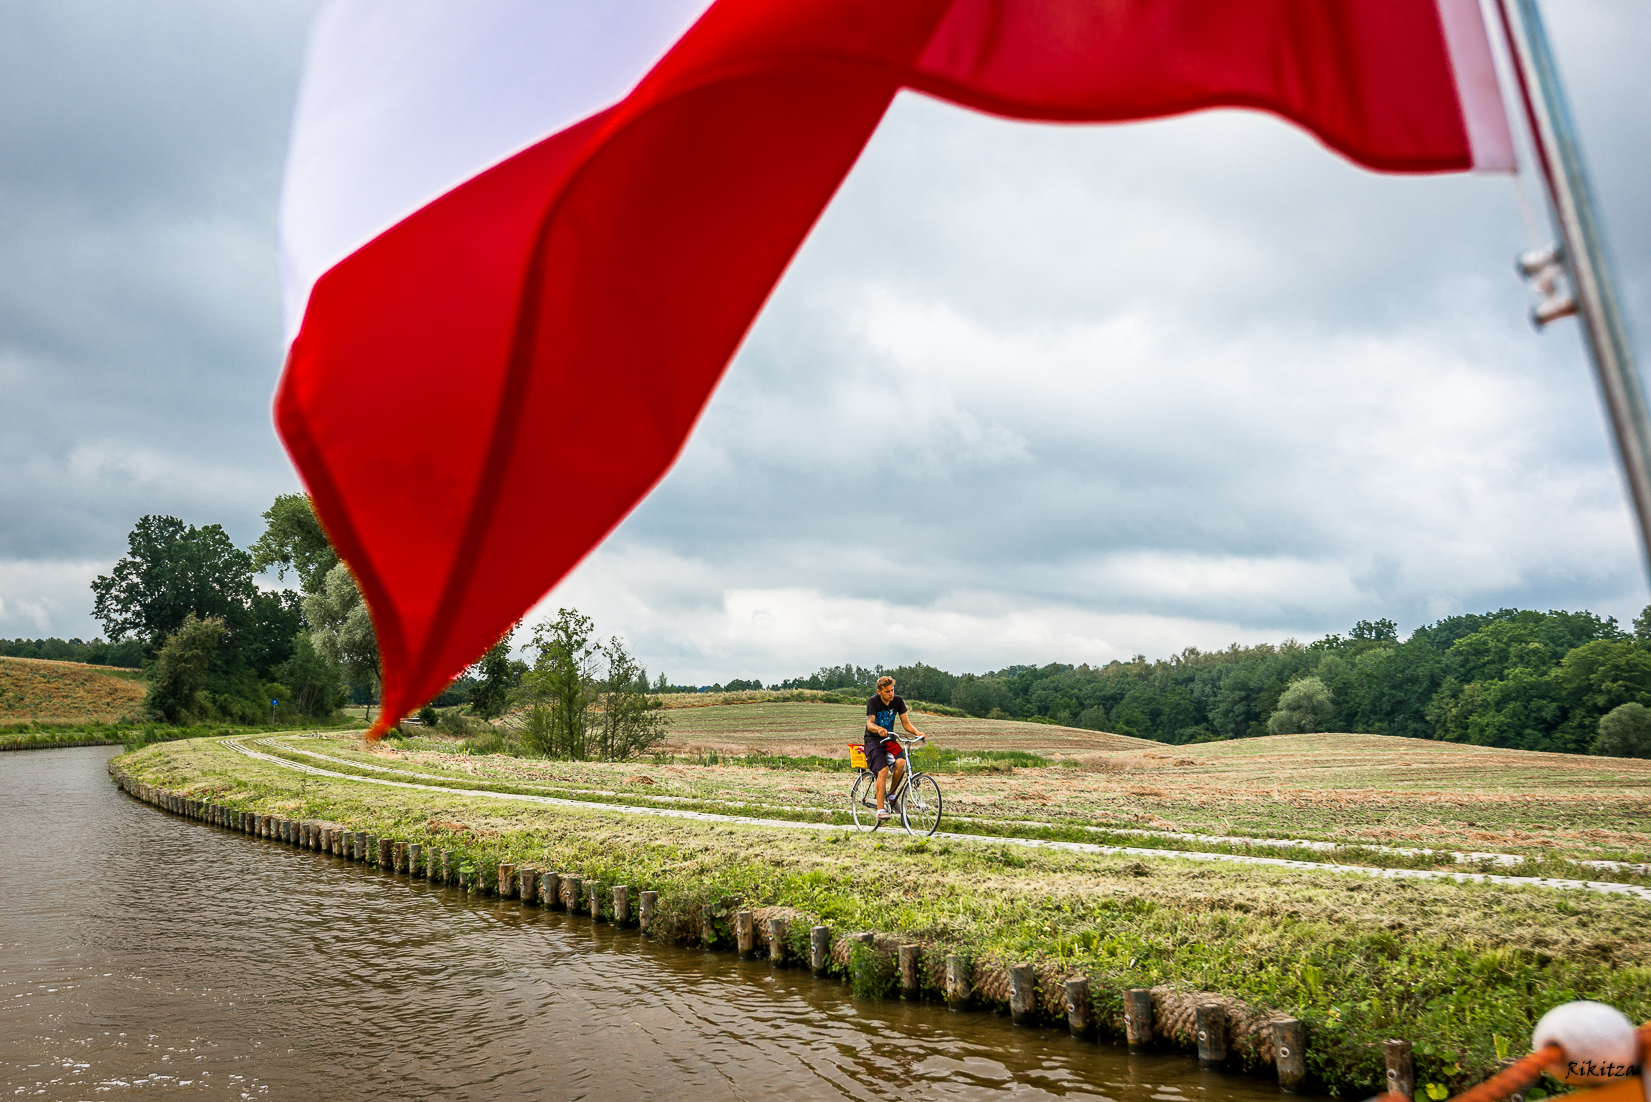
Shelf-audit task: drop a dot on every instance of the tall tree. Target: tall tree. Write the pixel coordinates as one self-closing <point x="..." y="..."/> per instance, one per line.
<point x="560" y="687"/>
<point x="173" y="569"/>
<point x="294" y="540"/>
<point x="495" y="675"/>
<point x="177" y="692"/>
<point x="341" y="628"/>
<point x="628" y="720"/>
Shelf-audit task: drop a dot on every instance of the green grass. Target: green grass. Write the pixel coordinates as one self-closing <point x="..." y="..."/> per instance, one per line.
<point x="1450" y="966"/>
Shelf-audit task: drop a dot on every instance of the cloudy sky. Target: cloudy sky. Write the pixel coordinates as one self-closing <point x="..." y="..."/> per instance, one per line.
<point x="1028" y="394"/>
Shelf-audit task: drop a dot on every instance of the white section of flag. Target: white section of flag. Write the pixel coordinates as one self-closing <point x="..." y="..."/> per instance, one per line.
<point x="403" y="100"/>
<point x="1476" y="87"/>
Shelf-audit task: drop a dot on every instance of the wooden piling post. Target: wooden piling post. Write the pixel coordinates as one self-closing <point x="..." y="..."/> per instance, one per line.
<point x="384" y="848"/>
<point x="1401" y="1070"/>
<point x="415" y="859"/>
<point x="1211" y="1022"/>
<point x="507" y="879"/>
<point x="1023" y="994"/>
<point x="1138" y="1017"/>
<point x="358" y="848"/>
<point x="776" y="942"/>
<point x="745" y="934"/>
<point x="550" y="891"/>
<point x="1080" y="1015"/>
<point x="621" y="904"/>
<point x="1290" y="1053"/>
<point x="527" y="883"/>
<point x="449" y="866"/>
<point x="593" y="899"/>
<point x="398" y="856"/>
<point x="819" y="949"/>
<point x="369" y="848"/>
<point x="957" y="981"/>
<point x="570" y="893"/>
<point x="645" y="915"/>
<point x="432" y="863"/>
<point x="911" y="975"/>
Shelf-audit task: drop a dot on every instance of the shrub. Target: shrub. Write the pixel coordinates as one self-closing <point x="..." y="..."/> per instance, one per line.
<point x="1625" y="732"/>
<point x="871" y="975"/>
<point x="1305" y="706"/>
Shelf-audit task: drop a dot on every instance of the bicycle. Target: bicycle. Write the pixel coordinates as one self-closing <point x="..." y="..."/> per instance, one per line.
<point x="917" y="796"/>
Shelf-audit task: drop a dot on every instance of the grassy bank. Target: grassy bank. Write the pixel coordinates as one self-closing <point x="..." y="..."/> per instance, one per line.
<point x="1452" y="967"/>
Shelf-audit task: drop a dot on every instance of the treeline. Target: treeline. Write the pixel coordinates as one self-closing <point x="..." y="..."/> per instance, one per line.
<point x="1513" y="678"/>
<point x="128" y="655"/>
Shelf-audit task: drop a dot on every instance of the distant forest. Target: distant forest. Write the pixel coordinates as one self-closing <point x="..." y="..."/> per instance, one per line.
<point x="1520" y="679"/>
<point x="97" y="653"/>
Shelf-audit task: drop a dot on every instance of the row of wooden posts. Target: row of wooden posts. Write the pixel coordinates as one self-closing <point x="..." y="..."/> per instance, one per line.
<point x="575" y="894"/>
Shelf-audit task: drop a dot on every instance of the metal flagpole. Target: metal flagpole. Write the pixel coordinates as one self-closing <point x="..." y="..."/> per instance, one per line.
<point x="1580" y="254"/>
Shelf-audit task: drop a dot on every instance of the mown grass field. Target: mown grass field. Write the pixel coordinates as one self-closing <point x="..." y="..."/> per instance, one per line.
<point x="35" y="689"/>
<point x="1451" y="966"/>
<point x="1354" y="790"/>
<point x="809" y="728"/>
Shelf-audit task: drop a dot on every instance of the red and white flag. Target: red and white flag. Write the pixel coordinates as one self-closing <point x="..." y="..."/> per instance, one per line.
<point x="522" y="239"/>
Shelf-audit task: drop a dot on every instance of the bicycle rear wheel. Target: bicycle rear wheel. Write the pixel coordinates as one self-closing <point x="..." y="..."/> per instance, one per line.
<point x="920" y="809"/>
<point x="862" y="801"/>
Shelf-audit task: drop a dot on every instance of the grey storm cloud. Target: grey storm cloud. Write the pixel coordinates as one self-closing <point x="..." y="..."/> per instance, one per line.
<point x="1028" y="392"/>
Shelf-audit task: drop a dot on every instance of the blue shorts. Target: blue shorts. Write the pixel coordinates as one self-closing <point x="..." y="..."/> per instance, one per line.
<point x="880" y="752"/>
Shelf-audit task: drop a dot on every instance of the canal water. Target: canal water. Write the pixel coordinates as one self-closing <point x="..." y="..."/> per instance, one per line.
<point x="143" y="952"/>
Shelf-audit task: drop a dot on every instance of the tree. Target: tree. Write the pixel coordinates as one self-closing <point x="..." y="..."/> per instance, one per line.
<point x="560" y="687"/>
<point x="1304" y="706"/>
<point x="315" y="683"/>
<point x="496" y="675"/>
<point x="340" y="627"/>
<point x="294" y="539"/>
<point x="1625" y="732"/>
<point x="173" y="571"/>
<point x="628" y="720"/>
<point x="177" y="691"/>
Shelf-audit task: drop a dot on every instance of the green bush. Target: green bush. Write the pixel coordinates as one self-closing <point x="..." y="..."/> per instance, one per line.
<point x="871" y="975"/>
<point x="1625" y="732"/>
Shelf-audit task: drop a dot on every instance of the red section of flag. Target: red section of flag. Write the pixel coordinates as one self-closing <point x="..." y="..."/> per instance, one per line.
<point x="479" y="395"/>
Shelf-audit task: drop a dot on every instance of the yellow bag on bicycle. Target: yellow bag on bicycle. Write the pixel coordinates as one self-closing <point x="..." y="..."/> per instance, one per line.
<point x="857" y="755"/>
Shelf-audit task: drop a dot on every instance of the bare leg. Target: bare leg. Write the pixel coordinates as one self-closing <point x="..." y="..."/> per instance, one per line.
<point x="882" y="785"/>
<point x="899" y="772"/>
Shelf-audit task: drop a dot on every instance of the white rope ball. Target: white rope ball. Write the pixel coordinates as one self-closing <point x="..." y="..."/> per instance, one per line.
<point x="1599" y="1042"/>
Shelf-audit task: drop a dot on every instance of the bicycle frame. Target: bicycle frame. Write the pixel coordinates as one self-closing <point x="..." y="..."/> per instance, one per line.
<point x="897" y="797"/>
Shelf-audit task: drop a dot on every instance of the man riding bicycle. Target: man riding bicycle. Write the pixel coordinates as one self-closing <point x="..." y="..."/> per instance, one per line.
<point x="882" y="745"/>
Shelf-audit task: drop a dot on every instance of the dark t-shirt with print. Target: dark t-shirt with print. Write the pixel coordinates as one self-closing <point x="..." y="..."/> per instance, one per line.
<point x="885" y="713"/>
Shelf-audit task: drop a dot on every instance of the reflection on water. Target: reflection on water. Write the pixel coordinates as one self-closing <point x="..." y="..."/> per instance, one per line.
<point x="142" y="950"/>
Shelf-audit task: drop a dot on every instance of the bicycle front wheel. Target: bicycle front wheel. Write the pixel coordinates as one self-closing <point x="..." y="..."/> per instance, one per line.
<point x="920" y="807"/>
<point x="862" y="802"/>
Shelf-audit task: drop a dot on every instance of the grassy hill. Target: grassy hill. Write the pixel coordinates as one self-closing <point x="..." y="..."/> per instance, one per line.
<point x="34" y="689"/>
<point x="827" y="729"/>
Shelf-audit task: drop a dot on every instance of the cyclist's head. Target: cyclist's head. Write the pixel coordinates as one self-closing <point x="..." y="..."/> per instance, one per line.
<point x="885" y="688"/>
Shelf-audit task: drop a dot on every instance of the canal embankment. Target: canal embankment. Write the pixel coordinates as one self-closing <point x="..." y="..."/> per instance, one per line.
<point x="1459" y="971"/>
